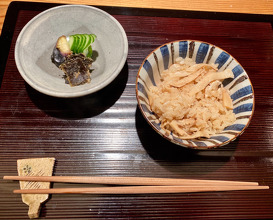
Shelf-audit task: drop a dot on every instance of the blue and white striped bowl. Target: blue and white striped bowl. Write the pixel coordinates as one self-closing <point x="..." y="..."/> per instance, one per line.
<point x="240" y="88"/>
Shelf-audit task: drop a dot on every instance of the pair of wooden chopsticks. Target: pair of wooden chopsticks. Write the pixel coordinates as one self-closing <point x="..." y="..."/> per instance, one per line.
<point x="135" y="185"/>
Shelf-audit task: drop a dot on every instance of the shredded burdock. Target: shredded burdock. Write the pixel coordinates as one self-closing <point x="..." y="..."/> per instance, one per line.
<point x="191" y="100"/>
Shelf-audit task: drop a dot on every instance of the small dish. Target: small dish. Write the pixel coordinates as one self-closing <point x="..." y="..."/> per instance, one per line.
<point x="240" y="88"/>
<point x="37" y="39"/>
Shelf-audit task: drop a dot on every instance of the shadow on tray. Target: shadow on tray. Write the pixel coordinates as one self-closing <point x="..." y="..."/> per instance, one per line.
<point x="179" y="159"/>
<point x="81" y="107"/>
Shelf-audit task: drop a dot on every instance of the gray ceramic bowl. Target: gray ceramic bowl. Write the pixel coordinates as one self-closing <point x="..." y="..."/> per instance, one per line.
<point x="37" y="39"/>
<point x="240" y="88"/>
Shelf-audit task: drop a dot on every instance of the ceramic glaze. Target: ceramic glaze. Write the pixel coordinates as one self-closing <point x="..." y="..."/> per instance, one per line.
<point x="37" y="39"/>
<point x="240" y="88"/>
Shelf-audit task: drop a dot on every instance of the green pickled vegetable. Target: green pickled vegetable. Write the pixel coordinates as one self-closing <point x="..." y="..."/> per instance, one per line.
<point x="81" y="43"/>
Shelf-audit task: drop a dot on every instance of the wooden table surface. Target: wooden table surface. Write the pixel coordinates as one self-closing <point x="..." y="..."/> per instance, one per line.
<point x="241" y="6"/>
<point x="104" y="134"/>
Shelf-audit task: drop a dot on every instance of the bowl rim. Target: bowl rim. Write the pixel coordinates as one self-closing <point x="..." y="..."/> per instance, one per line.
<point x="173" y="140"/>
<point x="72" y="94"/>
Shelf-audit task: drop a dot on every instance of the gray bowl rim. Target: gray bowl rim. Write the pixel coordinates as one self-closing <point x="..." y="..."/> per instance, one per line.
<point x="80" y="93"/>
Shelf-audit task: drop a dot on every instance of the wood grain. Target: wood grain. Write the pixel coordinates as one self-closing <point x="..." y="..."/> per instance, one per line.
<point x="234" y="6"/>
<point x="140" y="189"/>
<point x="140" y="181"/>
<point x="105" y="134"/>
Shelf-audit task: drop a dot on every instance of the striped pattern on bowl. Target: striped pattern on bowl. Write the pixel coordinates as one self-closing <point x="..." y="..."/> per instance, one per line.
<point x="240" y="88"/>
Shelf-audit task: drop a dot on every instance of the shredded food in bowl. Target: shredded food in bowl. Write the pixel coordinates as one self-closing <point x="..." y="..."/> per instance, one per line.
<point x="191" y="101"/>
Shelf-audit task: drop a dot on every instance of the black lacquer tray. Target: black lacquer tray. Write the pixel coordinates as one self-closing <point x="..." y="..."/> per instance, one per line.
<point x="104" y="134"/>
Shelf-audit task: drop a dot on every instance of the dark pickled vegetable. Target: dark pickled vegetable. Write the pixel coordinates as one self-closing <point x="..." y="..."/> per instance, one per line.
<point x="73" y="56"/>
<point x="57" y="57"/>
<point x="77" y="69"/>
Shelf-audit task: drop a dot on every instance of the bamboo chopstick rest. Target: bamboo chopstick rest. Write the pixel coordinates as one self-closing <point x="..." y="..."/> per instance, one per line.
<point x="35" y="167"/>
